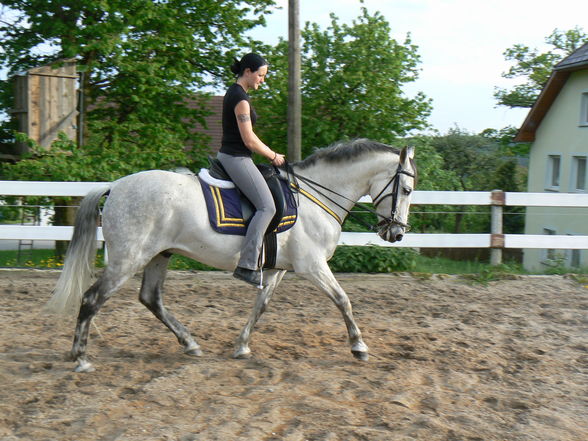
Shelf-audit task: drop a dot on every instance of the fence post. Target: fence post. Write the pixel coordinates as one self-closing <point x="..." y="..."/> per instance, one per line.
<point x="497" y="236"/>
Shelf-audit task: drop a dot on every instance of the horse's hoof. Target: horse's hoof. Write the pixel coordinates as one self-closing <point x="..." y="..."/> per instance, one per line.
<point x="242" y="354"/>
<point x="194" y="352"/>
<point x="84" y="366"/>
<point x="193" y="349"/>
<point x="361" y="355"/>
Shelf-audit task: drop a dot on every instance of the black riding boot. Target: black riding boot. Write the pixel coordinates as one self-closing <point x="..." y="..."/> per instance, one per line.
<point x="252" y="277"/>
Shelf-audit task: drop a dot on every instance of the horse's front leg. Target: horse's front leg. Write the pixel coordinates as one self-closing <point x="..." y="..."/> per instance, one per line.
<point x="263" y="297"/>
<point x="321" y="275"/>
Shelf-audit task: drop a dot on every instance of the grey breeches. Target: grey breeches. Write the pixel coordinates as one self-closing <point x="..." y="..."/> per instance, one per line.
<point x="249" y="180"/>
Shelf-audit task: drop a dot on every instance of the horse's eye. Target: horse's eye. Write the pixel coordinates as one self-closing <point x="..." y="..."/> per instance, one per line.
<point x="406" y="191"/>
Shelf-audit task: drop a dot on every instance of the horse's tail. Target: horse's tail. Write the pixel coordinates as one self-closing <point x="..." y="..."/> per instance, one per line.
<point x="78" y="267"/>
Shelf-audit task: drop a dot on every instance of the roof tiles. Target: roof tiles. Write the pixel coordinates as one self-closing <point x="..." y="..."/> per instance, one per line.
<point x="578" y="58"/>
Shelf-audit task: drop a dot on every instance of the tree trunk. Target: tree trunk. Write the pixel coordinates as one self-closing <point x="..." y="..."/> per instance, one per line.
<point x="458" y="220"/>
<point x="65" y="214"/>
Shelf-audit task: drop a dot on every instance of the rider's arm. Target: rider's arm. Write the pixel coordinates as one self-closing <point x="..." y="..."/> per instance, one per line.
<point x="251" y="140"/>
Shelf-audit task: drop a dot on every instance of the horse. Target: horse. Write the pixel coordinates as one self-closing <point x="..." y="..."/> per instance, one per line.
<point x="151" y="215"/>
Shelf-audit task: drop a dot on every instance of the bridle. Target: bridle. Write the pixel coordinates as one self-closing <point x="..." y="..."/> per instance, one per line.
<point x="395" y="181"/>
<point x="384" y="223"/>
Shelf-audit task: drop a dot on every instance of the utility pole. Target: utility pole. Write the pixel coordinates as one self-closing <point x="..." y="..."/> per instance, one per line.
<point x="294" y="98"/>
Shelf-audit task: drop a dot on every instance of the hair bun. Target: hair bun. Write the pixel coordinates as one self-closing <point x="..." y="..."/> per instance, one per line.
<point x="236" y="66"/>
<point x="250" y="61"/>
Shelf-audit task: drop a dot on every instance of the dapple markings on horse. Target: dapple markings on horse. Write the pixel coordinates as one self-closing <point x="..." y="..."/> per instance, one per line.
<point x="150" y="215"/>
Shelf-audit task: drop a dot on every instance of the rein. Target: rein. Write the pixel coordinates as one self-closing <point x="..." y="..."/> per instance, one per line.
<point x="385" y="222"/>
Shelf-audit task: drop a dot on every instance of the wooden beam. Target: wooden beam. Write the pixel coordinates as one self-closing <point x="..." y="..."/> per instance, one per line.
<point x="294" y="98"/>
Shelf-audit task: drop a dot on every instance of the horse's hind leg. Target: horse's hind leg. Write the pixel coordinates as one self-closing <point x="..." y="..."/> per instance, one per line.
<point x="321" y="275"/>
<point x="92" y="301"/>
<point x="151" y="295"/>
<point x="263" y="297"/>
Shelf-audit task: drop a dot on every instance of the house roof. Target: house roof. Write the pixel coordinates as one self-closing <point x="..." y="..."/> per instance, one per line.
<point x="213" y="121"/>
<point x="578" y="60"/>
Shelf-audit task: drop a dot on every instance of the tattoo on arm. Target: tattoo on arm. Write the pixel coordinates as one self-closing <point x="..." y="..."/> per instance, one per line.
<point x="243" y="117"/>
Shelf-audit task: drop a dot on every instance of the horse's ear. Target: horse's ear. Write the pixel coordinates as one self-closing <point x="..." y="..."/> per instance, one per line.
<point x="406" y="154"/>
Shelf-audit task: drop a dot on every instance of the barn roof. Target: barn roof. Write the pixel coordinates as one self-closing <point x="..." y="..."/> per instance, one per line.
<point x="213" y="127"/>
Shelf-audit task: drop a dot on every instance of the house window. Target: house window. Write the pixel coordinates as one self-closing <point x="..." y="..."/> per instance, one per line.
<point x="584" y="110"/>
<point x="579" y="173"/>
<point x="553" y="167"/>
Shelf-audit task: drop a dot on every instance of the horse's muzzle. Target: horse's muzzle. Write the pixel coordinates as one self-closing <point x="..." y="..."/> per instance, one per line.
<point x="392" y="230"/>
<point x="392" y="234"/>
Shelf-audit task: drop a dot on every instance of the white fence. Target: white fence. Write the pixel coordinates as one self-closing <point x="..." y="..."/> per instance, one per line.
<point x="495" y="240"/>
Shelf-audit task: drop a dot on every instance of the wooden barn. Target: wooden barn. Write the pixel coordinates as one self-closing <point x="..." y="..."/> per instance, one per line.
<point x="46" y="102"/>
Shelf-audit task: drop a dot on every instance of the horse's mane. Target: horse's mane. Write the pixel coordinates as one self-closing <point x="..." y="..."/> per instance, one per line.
<point x="345" y="151"/>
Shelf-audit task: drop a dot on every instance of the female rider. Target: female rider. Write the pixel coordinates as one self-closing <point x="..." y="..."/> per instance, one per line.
<point x="239" y="142"/>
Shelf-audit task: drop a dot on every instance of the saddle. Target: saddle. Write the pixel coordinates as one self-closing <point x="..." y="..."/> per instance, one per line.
<point x="230" y="211"/>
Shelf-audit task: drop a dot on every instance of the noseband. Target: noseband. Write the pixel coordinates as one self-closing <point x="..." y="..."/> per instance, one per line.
<point x="387" y="222"/>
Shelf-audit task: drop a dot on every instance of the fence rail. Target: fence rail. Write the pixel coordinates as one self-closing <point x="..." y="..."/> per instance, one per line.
<point x="496" y="240"/>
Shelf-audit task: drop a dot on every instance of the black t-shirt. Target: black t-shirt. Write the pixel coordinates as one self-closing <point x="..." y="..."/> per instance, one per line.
<point x="232" y="143"/>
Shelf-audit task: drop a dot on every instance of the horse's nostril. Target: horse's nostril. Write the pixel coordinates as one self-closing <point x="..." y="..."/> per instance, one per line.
<point x="399" y="237"/>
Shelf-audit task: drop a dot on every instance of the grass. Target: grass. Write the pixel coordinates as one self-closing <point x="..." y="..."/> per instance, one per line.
<point x="29" y="259"/>
<point x="46" y="259"/>
<point x="480" y="271"/>
<point x="440" y="265"/>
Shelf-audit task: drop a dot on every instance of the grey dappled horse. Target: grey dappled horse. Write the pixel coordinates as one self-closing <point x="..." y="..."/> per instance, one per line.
<point x="148" y="216"/>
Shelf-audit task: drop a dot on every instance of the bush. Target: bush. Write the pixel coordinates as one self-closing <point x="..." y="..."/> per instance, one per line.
<point x="372" y="259"/>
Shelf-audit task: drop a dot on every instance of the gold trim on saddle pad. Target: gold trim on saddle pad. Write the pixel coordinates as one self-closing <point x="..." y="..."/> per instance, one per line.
<point x="287" y="220"/>
<point x="223" y="221"/>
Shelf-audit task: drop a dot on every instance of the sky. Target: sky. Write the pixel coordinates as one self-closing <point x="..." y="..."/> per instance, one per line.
<point x="461" y="44"/>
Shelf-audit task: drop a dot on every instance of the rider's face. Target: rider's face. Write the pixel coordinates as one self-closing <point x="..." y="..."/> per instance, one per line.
<point x="255" y="79"/>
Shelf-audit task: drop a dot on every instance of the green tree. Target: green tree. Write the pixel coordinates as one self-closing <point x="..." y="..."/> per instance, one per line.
<point x="432" y="175"/>
<point x="141" y="59"/>
<point x="352" y="78"/>
<point x="479" y="163"/>
<point x="504" y="138"/>
<point x="535" y="67"/>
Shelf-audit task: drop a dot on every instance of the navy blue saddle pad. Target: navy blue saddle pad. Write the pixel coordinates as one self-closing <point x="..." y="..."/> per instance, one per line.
<point x="229" y="211"/>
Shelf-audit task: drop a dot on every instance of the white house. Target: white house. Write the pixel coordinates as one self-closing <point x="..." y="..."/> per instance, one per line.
<point x="557" y="126"/>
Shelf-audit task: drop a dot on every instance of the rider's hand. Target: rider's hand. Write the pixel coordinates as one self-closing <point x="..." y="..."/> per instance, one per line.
<point x="278" y="160"/>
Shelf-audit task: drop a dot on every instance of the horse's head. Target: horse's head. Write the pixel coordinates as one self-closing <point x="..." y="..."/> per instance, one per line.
<point x="391" y="193"/>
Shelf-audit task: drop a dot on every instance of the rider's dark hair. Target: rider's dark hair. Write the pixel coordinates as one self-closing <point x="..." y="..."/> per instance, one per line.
<point x="252" y="61"/>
